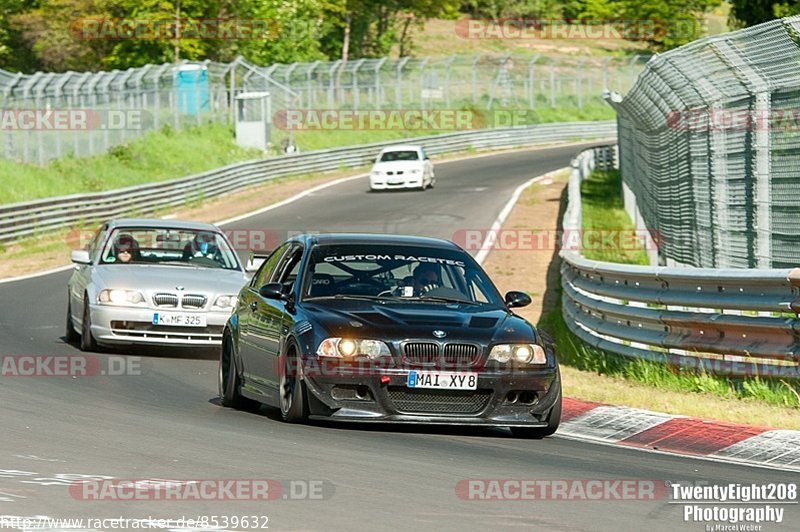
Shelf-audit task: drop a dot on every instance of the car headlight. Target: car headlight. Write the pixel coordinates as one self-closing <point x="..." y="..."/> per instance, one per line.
<point x="522" y="353"/>
<point x="415" y="170"/>
<point x="351" y="347"/>
<point x="114" y="296"/>
<point x="375" y="173"/>
<point x="225" y="301"/>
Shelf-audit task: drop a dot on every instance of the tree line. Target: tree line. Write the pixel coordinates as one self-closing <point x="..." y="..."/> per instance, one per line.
<point x="60" y="35"/>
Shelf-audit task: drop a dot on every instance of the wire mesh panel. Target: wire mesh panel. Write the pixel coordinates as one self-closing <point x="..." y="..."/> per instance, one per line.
<point x="710" y="147"/>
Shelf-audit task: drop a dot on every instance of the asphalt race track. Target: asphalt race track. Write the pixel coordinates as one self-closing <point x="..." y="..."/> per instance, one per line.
<point x="163" y="422"/>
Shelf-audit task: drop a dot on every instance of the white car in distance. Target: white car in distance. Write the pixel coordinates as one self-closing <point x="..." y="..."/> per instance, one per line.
<point x="402" y="167"/>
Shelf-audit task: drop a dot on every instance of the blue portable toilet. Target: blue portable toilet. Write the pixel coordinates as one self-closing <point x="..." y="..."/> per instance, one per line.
<point x="191" y="83"/>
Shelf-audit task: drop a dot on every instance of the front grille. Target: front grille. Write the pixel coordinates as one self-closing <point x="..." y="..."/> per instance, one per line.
<point x="430" y="354"/>
<point x="193" y="301"/>
<point x="165" y="300"/>
<point x="421" y="353"/>
<point x="461" y="355"/>
<point x="439" y="401"/>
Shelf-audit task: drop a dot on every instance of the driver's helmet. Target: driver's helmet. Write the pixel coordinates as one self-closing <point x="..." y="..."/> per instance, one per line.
<point x="426" y="278"/>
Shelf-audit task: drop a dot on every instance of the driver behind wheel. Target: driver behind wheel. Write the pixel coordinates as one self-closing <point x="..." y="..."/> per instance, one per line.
<point x="426" y="278"/>
<point x="202" y="246"/>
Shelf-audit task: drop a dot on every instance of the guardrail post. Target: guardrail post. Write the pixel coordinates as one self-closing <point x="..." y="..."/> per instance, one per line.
<point x="794" y="279"/>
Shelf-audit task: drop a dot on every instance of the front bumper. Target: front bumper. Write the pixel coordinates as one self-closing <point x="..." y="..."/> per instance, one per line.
<point x="389" y="183"/>
<point x="127" y="326"/>
<point x="346" y="395"/>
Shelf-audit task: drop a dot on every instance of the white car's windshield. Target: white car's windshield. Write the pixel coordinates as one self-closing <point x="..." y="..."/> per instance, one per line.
<point x="391" y="156"/>
<point x="172" y="247"/>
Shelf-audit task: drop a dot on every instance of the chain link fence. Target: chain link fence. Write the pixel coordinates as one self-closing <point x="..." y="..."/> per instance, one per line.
<point x="112" y="108"/>
<point x="709" y="141"/>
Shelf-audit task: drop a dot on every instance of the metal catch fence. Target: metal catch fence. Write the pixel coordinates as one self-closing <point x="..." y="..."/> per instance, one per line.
<point x="709" y="141"/>
<point x="119" y="106"/>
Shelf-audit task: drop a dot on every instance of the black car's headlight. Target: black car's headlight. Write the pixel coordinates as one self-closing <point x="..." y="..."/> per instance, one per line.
<point x="352" y="347"/>
<point x="520" y="353"/>
<point x="113" y="296"/>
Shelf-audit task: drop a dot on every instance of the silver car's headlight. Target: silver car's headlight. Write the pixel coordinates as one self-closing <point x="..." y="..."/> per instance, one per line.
<point x="225" y="301"/>
<point x="522" y="353"/>
<point x="115" y="296"/>
<point x="352" y="347"/>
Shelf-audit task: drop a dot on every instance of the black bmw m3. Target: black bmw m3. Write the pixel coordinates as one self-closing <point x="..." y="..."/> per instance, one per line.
<point x="388" y="329"/>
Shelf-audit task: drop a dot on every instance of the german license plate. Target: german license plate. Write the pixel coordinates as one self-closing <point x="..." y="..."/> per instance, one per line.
<point x="177" y="319"/>
<point x="441" y="380"/>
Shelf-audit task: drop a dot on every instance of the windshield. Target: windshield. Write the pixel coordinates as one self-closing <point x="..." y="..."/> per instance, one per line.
<point x="390" y="156"/>
<point x="397" y="272"/>
<point x="171" y="247"/>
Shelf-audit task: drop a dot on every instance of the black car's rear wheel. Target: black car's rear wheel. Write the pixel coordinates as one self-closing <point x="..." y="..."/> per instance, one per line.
<point x="294" y="407"/>
<point x="72" y="335"/>
<point x="553" y="420"/>
<point x="229" y="383"/>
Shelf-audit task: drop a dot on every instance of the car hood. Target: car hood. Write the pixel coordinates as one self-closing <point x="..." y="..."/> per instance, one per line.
<point x="168" y="278"/>
<point x="402" y="320"/>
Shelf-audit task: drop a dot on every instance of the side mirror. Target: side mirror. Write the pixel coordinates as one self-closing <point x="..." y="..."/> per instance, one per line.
<point x="272" y="291"/>
<point x="81" y="256"/>
<point x="515" y="299"/>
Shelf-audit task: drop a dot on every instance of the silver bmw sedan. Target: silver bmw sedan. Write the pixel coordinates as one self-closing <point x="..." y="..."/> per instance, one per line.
<point x="156" y="282"/>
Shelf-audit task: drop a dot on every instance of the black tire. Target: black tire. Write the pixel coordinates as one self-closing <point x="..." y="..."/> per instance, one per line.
<point x="88" y="343"/>
<point x="230" y="394"/>
<point x="71" y="335"/>
<point x="553" y="420"/>
<point x="294" y="404"/>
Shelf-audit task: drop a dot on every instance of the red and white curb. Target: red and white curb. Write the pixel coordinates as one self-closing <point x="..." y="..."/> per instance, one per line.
<point x="643" y="429"/>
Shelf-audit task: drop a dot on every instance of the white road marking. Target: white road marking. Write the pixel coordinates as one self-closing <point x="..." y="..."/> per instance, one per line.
<point x="338" y="181"/>
<point x="34" y="457"/>
<point x="491" y="236"/>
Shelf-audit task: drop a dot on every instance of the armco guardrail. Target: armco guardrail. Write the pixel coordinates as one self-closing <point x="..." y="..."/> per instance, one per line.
<point x="35" y="217"/>
<point x="734" y="322"/>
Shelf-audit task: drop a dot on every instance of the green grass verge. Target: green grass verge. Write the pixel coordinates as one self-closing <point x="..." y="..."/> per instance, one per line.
<point x="156" y="156"/>
<point x="168" y="154"/>
<point x="575" y="353"/>
<point x="602" y="210"/>
<point x="604" y="213"/>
